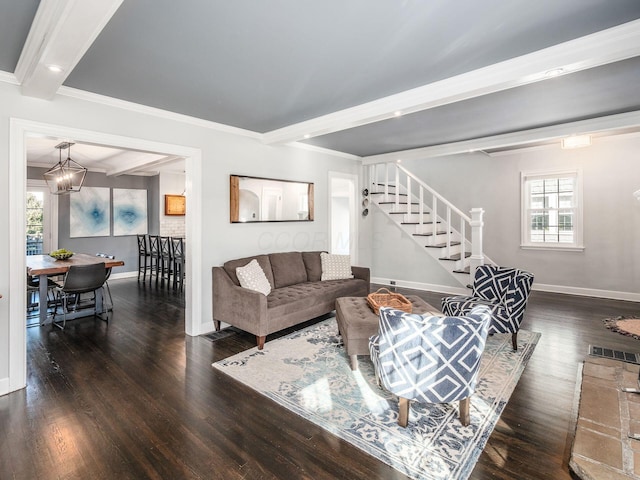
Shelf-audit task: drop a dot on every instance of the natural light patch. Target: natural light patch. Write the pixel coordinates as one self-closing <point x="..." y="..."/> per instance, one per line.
<point x="375" y="403"/>
<point x="317" y="396"/>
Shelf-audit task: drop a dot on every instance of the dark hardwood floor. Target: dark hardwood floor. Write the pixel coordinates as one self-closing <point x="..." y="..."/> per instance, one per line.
<point x="138" y="399"/>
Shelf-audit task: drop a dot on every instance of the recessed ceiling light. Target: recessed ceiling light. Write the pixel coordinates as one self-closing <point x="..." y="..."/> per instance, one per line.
<point x="554" y="72"/>
<point x="576" y="141"/>
<point x="399" y="160"/>
<point x="397" y="113"/>
<point x="306" y="135"/>
<point x="54" y="68"/>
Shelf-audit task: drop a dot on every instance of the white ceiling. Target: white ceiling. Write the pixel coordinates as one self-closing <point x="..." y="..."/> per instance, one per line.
<point x="333" y="74"/>
<point x="41" y="152"/>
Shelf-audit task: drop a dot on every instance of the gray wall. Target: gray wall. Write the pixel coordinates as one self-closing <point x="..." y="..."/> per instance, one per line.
<point x="123" y="247"/>
<point x="611" y="173"/>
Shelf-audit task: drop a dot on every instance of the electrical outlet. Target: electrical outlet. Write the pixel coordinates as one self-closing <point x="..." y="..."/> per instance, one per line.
<point x="392" y="282"/>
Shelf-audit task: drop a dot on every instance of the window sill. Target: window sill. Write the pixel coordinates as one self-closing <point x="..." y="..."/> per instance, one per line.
<point x="557" y="248"/>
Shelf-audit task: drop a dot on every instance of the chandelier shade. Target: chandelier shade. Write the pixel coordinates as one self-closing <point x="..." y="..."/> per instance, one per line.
<point x="65" y="176"/>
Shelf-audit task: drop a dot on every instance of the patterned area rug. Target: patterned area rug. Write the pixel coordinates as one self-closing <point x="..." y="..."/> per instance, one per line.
<point x="308" y="373"/>
<point x="629" y="326"/>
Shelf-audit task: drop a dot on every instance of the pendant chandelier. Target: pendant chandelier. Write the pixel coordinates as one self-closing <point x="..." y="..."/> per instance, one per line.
<point x="67" y="176"/>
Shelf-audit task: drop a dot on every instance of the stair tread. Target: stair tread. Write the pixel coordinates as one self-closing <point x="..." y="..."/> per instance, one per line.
<point x="418" y="223"/>
<point x="443" y="245"/>
<point x="430" y="234"/>
<point x="456" y="256"/>
<point x="390" y="193"/>
<point x="404" y="213"/>
<point x="399" y="203"/>
<point x="464" y="270"/>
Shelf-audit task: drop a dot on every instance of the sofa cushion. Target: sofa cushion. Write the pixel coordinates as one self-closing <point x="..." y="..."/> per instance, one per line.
<point x="252" y="276"/>
<point x="313" y="265"/>
<point x="288" y="269"/>
<point x="294" y="298"/>
<point x="335" y="267"/>
<point x="263" y="261"/>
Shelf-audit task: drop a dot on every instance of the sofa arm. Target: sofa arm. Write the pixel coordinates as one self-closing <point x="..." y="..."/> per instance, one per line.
<point x="237" y="306"/>
<point x="362" y="273"/>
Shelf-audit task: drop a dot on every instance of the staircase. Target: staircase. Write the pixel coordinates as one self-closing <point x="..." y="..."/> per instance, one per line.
<point x="446" y="233"/>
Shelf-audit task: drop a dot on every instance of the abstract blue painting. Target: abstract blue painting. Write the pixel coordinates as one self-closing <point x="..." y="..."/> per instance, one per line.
<point x="89" y="213"/>
<point x="129" y="211"/>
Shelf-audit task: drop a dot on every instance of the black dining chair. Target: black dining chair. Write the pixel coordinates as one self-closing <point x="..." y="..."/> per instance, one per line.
<point x="166" y="262"/>
<point x="144" y="257"/>
<point x="154" y="256"/>
<point x="178" y="259"/>
<point x="79" y="280"/>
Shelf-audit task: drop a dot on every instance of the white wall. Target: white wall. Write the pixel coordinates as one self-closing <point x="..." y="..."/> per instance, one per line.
<point x="608" y="265"/>
<point x="222" y="154"/>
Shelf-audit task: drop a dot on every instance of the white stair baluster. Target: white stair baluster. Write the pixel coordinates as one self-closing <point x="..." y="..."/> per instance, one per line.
<point x="386" y="182"/>
<point x="410" y="213"/>
<point x="463" y="242"/>
<point x="434" y="217"/>
<point x="397" y="190"/>
<point x="421" y="209"/>
<point x="448" y="227"/>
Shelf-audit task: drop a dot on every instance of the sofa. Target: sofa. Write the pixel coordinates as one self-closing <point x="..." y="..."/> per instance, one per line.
<point x="297" y="293"/>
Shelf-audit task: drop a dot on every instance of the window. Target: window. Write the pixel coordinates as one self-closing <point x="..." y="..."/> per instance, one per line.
<point x="552" y="210"/>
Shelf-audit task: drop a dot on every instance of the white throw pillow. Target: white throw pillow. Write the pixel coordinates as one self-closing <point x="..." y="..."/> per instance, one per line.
<point x="252" y="276"/>
<point x="335" y="267"/>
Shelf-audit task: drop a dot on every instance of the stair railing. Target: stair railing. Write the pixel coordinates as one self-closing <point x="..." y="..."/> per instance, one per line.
<point x="475" y="222"/>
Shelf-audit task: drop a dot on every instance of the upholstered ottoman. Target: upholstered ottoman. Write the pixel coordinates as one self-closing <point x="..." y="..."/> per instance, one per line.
<point x="357" y="322"/>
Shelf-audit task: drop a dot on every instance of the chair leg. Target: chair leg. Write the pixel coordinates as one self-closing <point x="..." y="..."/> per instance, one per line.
<point x="514" y="341"/>
<point x="403" y="411"/>
<point x="260" y="341"/>
<point x="465" y="418"/>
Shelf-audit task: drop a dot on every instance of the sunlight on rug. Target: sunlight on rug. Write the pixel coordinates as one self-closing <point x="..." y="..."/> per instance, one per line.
<point x="308" y="373"/>
<point x="629" y="326"/>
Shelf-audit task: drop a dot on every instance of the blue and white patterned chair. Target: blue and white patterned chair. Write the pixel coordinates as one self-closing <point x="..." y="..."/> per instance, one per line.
<point x="429" y="359"/>
<point x="504" y="290"/>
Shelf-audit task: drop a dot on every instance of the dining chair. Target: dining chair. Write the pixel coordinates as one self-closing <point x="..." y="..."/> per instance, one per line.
<point x="154" y="257"/>
<point x="78" y="280"/>
<point x="33" y="302"/>
<point x="105" y="286"/>
<point x="178" y="259"/>
<point x="166" y="262"/>
<point x="144" y="260"/>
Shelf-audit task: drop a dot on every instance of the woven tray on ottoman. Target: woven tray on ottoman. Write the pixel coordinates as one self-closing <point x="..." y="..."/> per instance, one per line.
<point x="384" y="298"/>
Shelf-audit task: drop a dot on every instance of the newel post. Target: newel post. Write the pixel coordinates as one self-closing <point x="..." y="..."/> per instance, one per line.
<point x="477" y="257"/>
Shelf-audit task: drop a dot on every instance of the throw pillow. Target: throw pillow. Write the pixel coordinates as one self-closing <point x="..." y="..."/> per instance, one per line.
<point x="252" y="276"/>
<point x="335" y="267"/>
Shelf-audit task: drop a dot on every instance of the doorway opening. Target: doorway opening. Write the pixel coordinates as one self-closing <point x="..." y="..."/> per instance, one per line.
<point x="343" y="216"/>
<point x="20" y="131"/>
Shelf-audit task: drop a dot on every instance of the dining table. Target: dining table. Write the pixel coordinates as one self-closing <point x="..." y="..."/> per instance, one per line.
<point x="44" y="265"/>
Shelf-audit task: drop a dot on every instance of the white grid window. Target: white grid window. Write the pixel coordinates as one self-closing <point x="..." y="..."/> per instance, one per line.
<point x="552" y="210"/>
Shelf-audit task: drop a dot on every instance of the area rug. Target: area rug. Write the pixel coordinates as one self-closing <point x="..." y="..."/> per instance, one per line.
<point x="308" y="372"/>
<point x="629" y="326"/>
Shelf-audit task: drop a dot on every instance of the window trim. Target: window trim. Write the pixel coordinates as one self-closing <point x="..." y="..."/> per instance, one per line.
<point x="525" y="228"/>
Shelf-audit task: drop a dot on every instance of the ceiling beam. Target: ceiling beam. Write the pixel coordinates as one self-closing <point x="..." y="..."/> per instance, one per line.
<point x="135" y="166"/>
<point x="608" y="46"/>
<point x="61" y="33"/>
<point x="524" y="137"/>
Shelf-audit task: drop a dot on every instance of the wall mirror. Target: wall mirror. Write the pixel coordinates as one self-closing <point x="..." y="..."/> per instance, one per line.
<point x="255" y="199"/>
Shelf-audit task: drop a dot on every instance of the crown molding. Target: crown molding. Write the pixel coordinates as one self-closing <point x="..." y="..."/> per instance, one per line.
<point x="608" y="46"/>
<point x="554" y="132"/>
<point x="328" y="151"/>
<point x="7" y="77"/>
<point x="155" y="112"/>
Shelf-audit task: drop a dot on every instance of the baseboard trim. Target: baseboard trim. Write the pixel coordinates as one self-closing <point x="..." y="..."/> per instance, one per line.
<point x="208" y="326"/>
<point x="5" y="386"/>
<point x="587" y="292"/>
<point x="541" y="287"/>
<point x="422" y="286"/>
<point x="116" y="276"/>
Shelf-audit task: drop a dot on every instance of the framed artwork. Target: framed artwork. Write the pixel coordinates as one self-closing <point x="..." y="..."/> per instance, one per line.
<point x="174" y="205"/>
<point x="129" y="211"/>
<point x="89" y="213"/>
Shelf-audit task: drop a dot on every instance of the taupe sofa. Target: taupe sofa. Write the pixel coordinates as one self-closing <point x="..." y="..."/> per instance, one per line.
<point x="297" y="293"/>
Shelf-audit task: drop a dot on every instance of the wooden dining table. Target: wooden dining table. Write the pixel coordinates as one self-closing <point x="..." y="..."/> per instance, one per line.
<point x="45" y="265"/>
